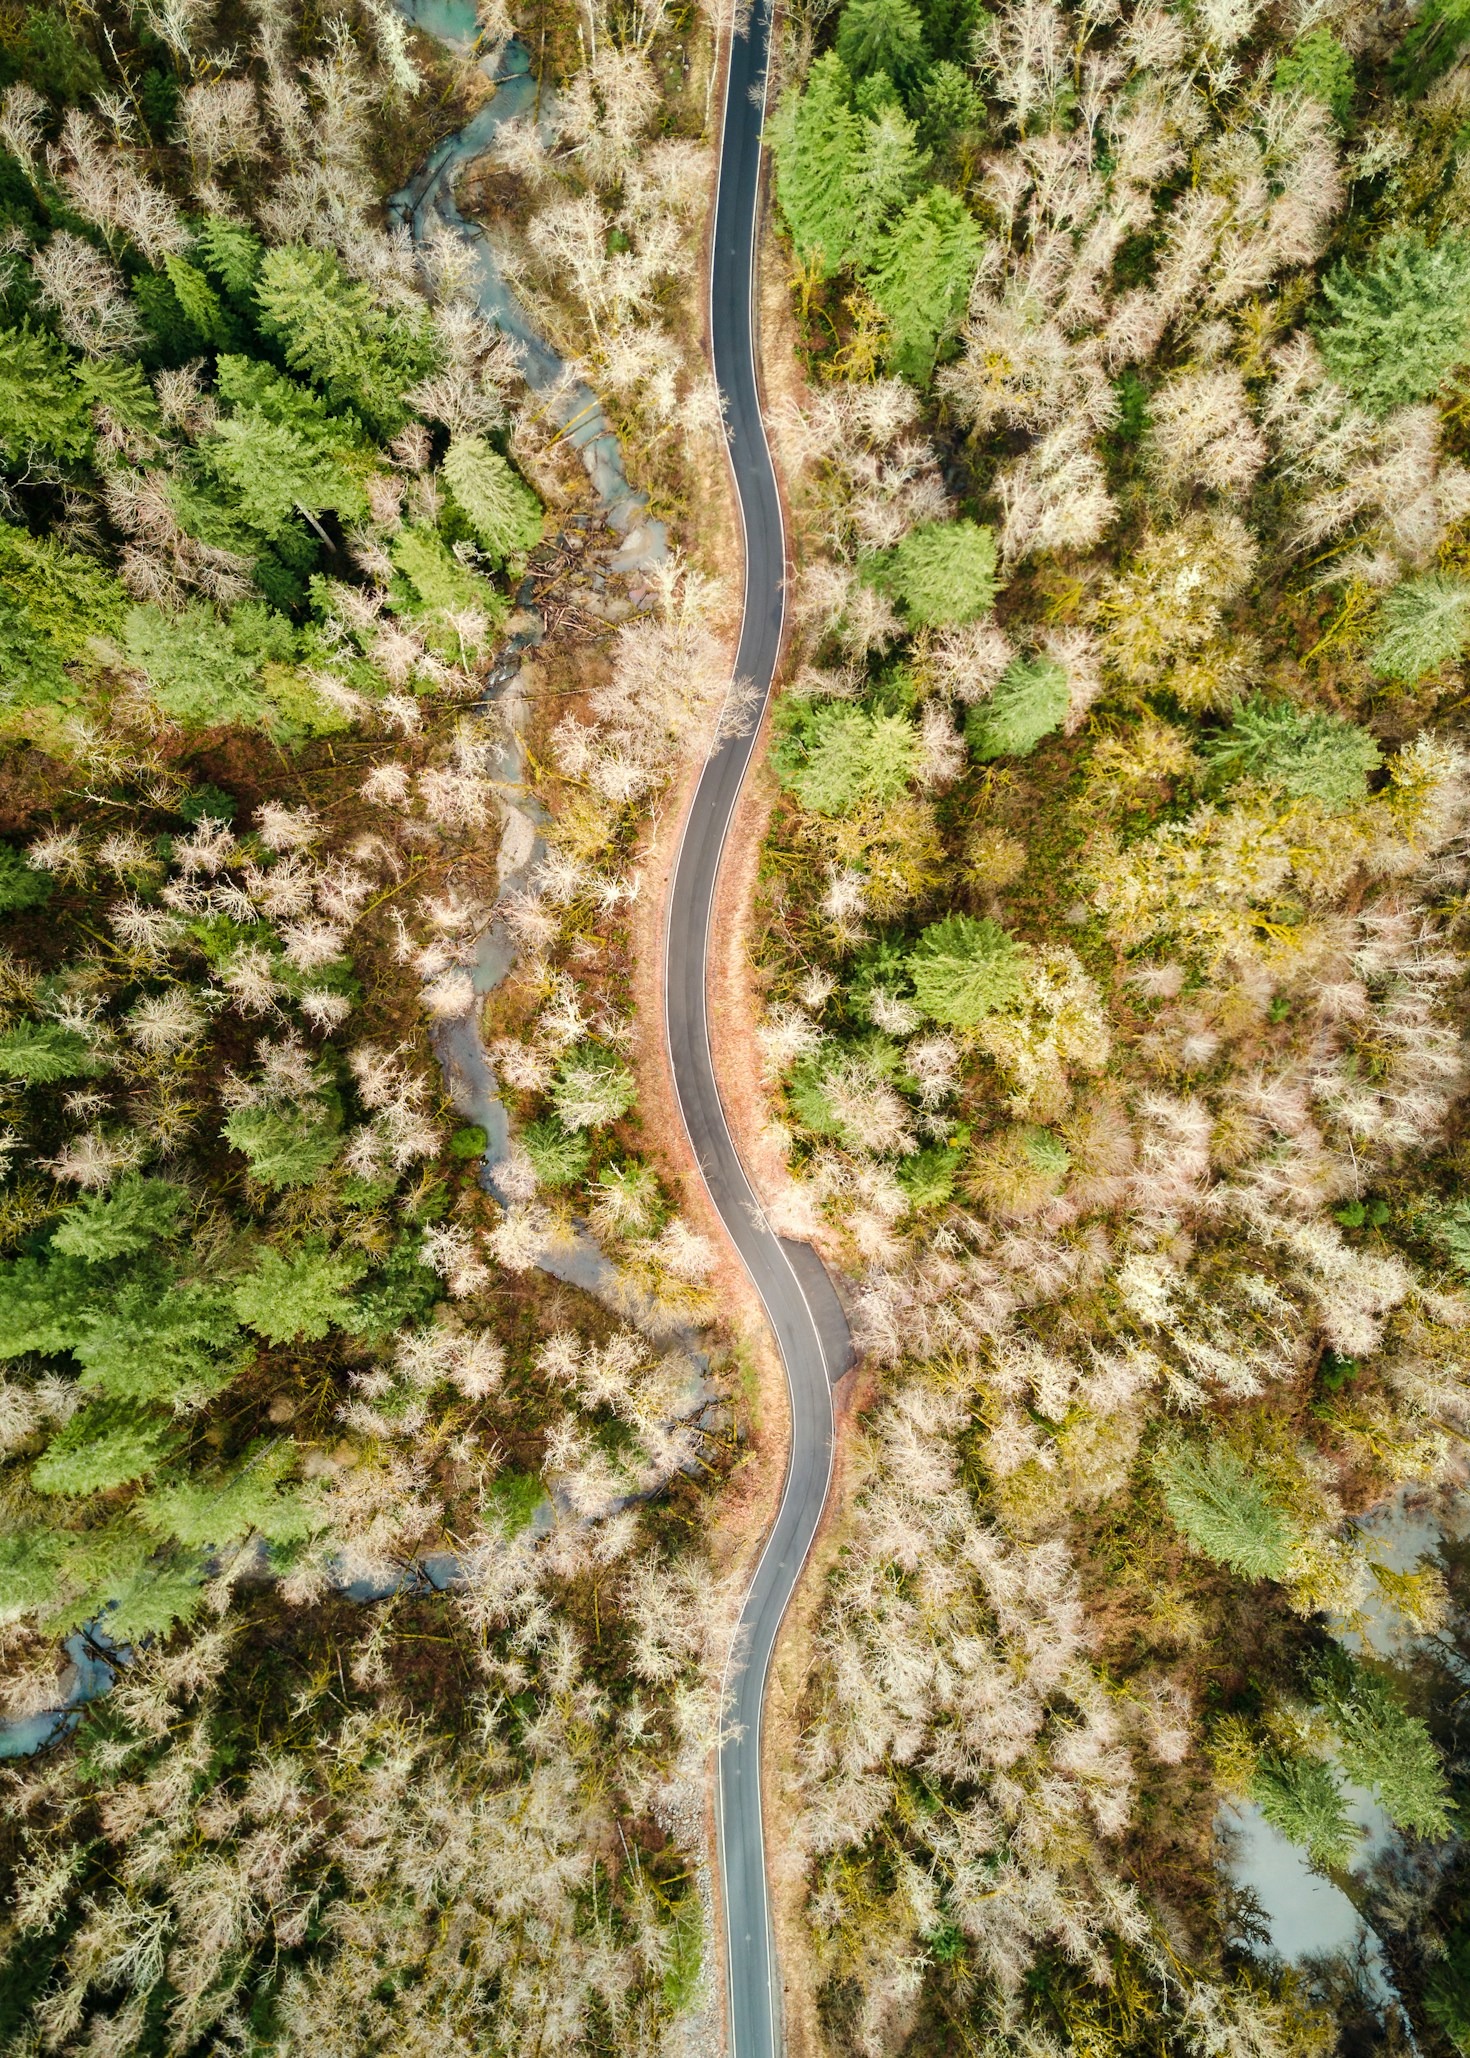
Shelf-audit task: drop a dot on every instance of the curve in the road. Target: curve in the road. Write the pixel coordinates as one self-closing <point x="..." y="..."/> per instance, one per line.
<point x="798" y="1299"/>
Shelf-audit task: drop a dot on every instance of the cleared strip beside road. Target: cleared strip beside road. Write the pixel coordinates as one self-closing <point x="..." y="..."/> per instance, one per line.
<point x="808" y="1329"/>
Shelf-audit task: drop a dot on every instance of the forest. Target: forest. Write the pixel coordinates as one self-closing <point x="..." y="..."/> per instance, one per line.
<point x="1117" y="1051"/>
<point x="389" y="1541"/>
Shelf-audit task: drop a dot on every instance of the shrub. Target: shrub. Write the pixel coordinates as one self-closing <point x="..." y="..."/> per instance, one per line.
<point x="1029" y="703"/>
<point x="1310" y="756"/>
<point x="469" y="1142"/>
<point x="1224" y="1510"/>
<point x="1422" y="624"/>
<point x="963" y="969"/>
<point x="941" y="572"/>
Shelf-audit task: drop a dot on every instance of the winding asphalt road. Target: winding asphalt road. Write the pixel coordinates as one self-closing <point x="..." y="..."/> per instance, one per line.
<point x="798" y="1298"/>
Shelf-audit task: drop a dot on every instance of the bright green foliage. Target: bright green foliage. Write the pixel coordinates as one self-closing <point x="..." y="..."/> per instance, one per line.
<point x="882" y="35"/>
<point x="42" y="1052"/>
<point x="941" y="572"/>
<point x="469" y="1142"/>
<point x="513" y="1499"/>
<point x="155" y="1598"/>
<point x="559" y="1156"/>
<point x="1382" y="1746"/>
<point x="303" y="1295"/>
<point x="286" y="1146"/>
<point x="1400" y="322"/>
<point x="44" y="1306"/>
<point x="141" y="1342"/>
<point x="928" y="1176"/>
<point x="122" y="387"/>
<point x="810" y="1101"/>
<point x="53" y="602"/>
<point x="211" y="1512"/>
<point x="106" y="1445"/>
<point x="97" y="1565"/>
<point x="501" y="509"/>
<point x="271" y="469"/>
<point x="231" y="251"/>
<point x="1224" y="1509"/>
<point x="592" y="1087"/>
<point x="1300" y="1797"/>
<point x="818" y="139"/>
<point x="1029" y="702"/>
<point x="198" y="299"/>
<point x="963" y="970"/>
<point x="922" y="278"/>
<point x="844" y="756"/>
<point x="1422" y="624"/>
<point x="205" y="672"/>
<point x="889" y="173"/>
<point x="43" y="410"/>
<point x="333" y="329"/>
<point x="1319" y="66"/>
<point x="1310" y="756"/>
<point x="30" y="1569"/>
<point x="432" y="578"/>
<point x="21" y="886"/>
<point x="133" y="1215"/>
<point x="951" y="106"/>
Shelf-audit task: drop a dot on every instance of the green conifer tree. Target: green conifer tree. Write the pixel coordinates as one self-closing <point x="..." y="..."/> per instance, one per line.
<point x="1225" y="1510"/>
<point x="922" y="276"/>
<point x="108" y="1444"/>
<point x="1399" y="322"/>
<point x="1300" y="1797"/>
<point x="963" y="970"/>
<point x="1029" y="702"/>
<point x="1423" y="623"/>
<point x="300" y="1296"/>
<point x="40" y="1053"/>
<point x="940" y="572"/>
<point x="818" y="141"/>
<point x="181" y="1345"/>
<point x="1319" y="66"/>
<point x="1382" y="1746"/>
<point x="890" y="169"/>
<point x="883" y="35"/>
<point x="285" y="1146"/>
<point x="43" y="410"/>
<point x="133" y="1215"/>
<point x="851" y="757"/>
<point x="333" y="329"/>
<point x="559" y="1156"/>
<point x="1310" y="756"/>
<point x="210" y="1511"/>
<point x="502" y="510"/>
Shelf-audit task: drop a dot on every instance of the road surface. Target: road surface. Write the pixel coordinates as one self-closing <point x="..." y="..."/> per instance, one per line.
<point x="798" y="1298"/>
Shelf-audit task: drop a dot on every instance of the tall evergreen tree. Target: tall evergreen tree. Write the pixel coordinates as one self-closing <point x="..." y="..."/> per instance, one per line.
<point x="963" y="970"/>
<point x="818" y="145"/>
<point x="1400" y="322"/>
<point x="883" y="35"/>
<point x="922" y="278"/>
<point x="890" y="170"/>
<point x="501" y="509"/>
